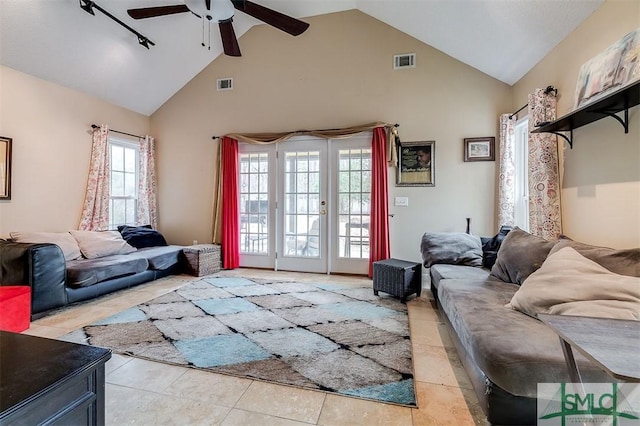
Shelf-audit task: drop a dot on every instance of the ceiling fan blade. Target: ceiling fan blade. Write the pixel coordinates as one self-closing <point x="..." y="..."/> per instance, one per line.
<point x="208" y="4"/>
<point x="151" y="12"/>
<point x="269" y="16"/>
<point x="229" y="40"/>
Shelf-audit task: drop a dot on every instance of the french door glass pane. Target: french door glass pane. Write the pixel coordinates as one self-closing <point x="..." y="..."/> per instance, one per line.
<point x="254" y="203"/>
<point x="302" y="204"/>
<point x="354" y="199"/>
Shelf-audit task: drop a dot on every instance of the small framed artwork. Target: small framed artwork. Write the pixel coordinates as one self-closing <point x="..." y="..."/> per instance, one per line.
<point x="480" y="149"/>
<point x="5" y="168"/>
<point x="416" y="163"/>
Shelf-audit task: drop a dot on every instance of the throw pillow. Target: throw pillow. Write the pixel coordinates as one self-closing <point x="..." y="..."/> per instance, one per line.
<point x="142" y="236"/>
<point x="452" y="248"/>
<point x="570" y="284"/>
<point x="624" y="261"/>
<point x="520" y="254"/>
<point x="64" y="240"/>
<point x="95" y="244"/>
<point x="490" y="246"/>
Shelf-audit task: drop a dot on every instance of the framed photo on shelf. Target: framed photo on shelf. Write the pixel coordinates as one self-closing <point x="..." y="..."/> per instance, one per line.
<point x="480" y="149"/>
<point x="416" y="163"/>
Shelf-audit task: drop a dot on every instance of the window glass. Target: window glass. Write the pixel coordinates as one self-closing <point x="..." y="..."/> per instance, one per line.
<point x="124" y="182"/>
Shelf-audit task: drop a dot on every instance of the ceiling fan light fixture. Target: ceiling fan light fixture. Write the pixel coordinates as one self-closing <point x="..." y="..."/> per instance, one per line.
<point x="221" y="10"/>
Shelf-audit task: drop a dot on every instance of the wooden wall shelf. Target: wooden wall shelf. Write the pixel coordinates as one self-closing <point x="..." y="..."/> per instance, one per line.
<point x="609" y="106"/>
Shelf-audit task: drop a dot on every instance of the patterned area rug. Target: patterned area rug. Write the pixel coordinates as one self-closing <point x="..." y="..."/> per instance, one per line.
<point x="329" y="337"/>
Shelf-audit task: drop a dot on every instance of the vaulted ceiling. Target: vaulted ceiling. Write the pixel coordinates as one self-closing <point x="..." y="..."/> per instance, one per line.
<point x="58" y="41"/>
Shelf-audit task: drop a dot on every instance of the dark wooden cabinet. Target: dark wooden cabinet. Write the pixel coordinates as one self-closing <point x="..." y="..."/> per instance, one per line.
<point x="45" y="381"/>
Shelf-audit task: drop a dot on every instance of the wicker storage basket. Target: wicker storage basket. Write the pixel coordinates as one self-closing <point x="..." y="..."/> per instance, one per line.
<point x="202" y="259"/>
<point x="397" y="277"/>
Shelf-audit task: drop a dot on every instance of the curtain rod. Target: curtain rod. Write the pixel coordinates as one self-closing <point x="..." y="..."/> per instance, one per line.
<point x="218" y="137"/>
<point x="521" y="108"/>
<point x="94" y="126"/>
<point x="548" y="90"/>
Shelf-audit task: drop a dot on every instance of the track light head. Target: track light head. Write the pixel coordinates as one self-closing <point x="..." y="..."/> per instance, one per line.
<point x="143" y="41"/>
<point x="87" y="6"/>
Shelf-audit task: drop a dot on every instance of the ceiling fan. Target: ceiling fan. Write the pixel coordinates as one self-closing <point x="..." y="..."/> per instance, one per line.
<point x="222" y="12"/>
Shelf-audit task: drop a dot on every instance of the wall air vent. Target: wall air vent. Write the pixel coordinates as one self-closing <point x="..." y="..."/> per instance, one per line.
<point x="407" y="60"/>
<point x="225" y="83"/>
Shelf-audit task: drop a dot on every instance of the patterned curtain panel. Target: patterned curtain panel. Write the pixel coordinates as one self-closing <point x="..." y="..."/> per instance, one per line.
<point x="506" y="182"/>
<point x="545" y="214"/>
<point x="95" y="211"/>
<point x="147" y="207"/>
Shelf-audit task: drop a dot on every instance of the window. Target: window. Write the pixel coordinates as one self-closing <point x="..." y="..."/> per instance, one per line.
<point x="521" y="153"/>
<point x="354" y="195"/>
<point x="123" y="203"/>
<point x="254" y="202"/>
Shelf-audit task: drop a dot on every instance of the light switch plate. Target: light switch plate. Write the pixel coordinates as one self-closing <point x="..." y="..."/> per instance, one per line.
<point x="402" y="201"/>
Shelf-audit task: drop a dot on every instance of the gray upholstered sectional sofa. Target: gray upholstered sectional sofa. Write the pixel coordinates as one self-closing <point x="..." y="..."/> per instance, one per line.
<point x="506" y="352"/>
<point x="58" y="279"/>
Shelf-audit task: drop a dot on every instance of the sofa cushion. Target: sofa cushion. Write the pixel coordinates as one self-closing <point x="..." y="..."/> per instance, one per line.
<point x="64" y="240"/>
<point x="520" y="254"/>
<point x="142" y="236"/>
<point x="445" y="272"/>
<point x="160" y="258"/>
<point x="96" y="244"/>
<point x="568" y="283"/>
<point x="515" y="351"/>
<point x="86" y="272"/>
<point x="622" y="261"/>
<point x="451" y="248"/>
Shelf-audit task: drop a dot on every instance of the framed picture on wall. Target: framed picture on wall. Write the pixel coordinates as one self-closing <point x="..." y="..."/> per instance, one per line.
<point x="416" y="164"/>
<point x="479" y="149"/>
<point x="5" y="168"/>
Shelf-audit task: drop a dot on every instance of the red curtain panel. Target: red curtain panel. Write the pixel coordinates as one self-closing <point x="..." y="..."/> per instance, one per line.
<point x="230" y="239"/>
<point x="379" y="227"/>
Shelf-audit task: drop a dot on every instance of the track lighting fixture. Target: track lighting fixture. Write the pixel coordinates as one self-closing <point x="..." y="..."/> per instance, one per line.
<point x="89" y="5"/>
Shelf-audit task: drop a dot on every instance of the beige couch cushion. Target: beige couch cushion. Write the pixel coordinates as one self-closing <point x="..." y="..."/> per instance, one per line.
<point x="64" y="240"/>
<point x="95" y="244"/>
<point x="568" y="283"/>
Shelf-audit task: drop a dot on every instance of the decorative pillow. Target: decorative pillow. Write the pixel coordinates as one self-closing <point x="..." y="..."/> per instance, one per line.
<point x="570" y="284"/>
<point x="142" y="236"/>
<point x="64" y="240"/>
<point x="520" y="254"/>
<point x="624" y="262"/>
<point x="452" y="248"/>
<point x="490" y="246"/>
<point x="95" y="244"/>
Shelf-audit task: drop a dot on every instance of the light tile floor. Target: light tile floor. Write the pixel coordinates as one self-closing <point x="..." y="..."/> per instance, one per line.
<point x="148" y="393"/>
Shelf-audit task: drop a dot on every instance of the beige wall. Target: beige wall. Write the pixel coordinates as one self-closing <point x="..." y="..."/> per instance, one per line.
<point x="339" y="73"/>
<point x="316" y="81"/>
<point x="601" y="189"/>
<point x="51" y="148"/>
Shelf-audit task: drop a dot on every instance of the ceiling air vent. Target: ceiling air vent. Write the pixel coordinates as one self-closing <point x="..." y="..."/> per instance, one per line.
<point x="225" y="83"/>
<point x="407" y="60"/>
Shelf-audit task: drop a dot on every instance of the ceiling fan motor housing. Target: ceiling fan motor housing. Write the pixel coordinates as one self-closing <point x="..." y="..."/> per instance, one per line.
<point x="221" y="10"/>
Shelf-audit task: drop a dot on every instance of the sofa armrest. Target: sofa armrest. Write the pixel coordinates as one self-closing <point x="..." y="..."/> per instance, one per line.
<point x="41" y="266"/>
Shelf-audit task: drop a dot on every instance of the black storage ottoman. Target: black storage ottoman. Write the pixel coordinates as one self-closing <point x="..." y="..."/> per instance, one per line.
<point x="397" y="277"/>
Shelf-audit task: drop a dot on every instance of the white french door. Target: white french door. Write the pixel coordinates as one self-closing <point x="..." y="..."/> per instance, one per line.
<point x="302" y="208"/>
<point x="305" y="205"/>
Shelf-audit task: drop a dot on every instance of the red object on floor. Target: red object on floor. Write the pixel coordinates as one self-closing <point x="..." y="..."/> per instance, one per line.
<point x="15" y="308"/>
